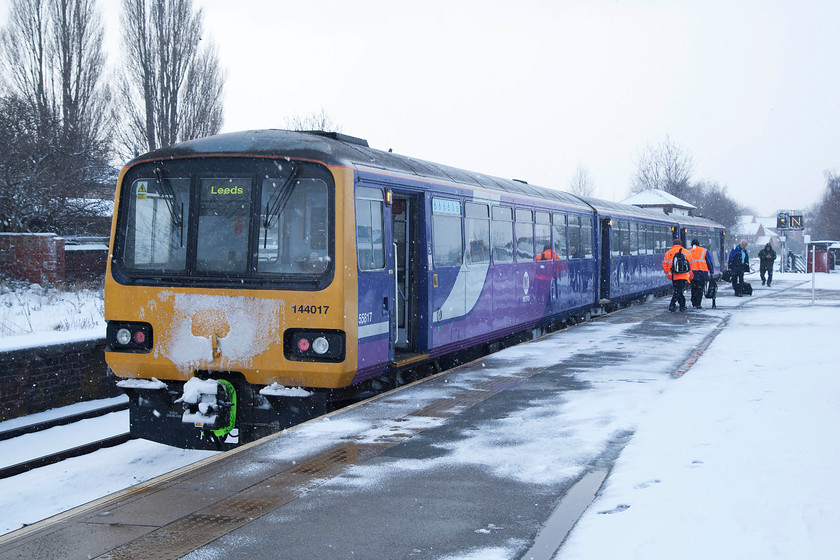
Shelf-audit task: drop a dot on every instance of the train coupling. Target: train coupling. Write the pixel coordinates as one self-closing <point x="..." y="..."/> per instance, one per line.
<point x="209" y="404"/>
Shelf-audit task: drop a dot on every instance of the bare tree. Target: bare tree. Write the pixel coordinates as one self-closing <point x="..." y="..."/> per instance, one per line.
<point x="825" y="215"/>
<point x="172" y="87"/>
<point x="581" y="183"/>
<point x="712" y="201"/>
<point x="666" y="167"/>
<point x="313" y="121"/>
<point x="56" y="103"/>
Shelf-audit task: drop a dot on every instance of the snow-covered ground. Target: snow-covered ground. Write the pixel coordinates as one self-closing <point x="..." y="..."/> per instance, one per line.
<point x="739" y="457"/>
<point x="35" y="315"/>
<point x="735" y="459"/>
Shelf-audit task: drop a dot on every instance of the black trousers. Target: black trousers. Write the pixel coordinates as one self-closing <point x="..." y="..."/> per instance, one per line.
<point x="678" y="297"/>
<point x="698" y="288"/>
<point x="738" y="282"/>
<point x="769" y="270"/>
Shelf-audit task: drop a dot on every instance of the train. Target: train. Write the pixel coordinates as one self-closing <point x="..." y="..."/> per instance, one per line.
<point x="257" y="278"/>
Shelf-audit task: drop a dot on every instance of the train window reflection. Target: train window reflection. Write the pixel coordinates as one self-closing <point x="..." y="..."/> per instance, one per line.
<point x="447" y="239"/>
<point x="502" y="234"/>
<point x="158" y="224"/>
<point x="586" y="237"/>
<point x="477" y="232"/>
<point x="224" y="219"/>
<point x="370" y="217"/>
<point x="574" y="237"/>
<point x="295" y="240"/>
<point x="559" y="230"/>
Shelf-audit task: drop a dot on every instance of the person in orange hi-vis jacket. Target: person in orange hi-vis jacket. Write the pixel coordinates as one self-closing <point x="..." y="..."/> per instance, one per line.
<point x="701" y="266"/>
<point x="678" y="279"/>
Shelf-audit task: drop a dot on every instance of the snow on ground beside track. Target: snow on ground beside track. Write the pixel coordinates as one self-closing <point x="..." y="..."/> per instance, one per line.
<point x="38" y="316"/>
<point x="51" y="490"/>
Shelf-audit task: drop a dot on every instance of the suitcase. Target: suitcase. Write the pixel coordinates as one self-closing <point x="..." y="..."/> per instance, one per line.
<point x="746" y="289"/>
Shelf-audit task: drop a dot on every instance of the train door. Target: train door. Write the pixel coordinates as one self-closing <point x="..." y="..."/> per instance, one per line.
<point x="605" y="258"/>
<point x="405" y="228"/>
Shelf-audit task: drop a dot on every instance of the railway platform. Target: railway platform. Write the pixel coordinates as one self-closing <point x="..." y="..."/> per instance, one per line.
<point x="497" y="457"/>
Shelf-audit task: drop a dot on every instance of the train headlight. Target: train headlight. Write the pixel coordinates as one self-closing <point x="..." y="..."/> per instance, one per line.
<point x="320" y="345"/>
<point x="125" y="336"/>
<point x="305" y="345"/>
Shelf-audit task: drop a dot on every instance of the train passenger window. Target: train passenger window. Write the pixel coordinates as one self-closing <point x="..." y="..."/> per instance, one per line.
<point x="158" y="224"/>
<point x="586" y="237"/>
<point x="574" y="238"/>
<point x="502" y="234"/>
<point x="558" y="228"/>
<point x="615" y="239"/>
<point x="447" y="246"/>
<point x="224" y="221"/>
<point x="524" y="235"/>
<point x="542" y="231"/>
<point x="634" y="239"/>
<point x="477" y="231"/>
<point x="370" y="217"/>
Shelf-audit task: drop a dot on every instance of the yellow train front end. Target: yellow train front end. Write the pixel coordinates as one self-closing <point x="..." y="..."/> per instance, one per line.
<point x="226" y="294"/>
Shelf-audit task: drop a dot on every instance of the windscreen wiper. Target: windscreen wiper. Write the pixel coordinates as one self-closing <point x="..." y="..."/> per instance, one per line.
<point x="169" y="198"/>
<point x="277" y="203"/>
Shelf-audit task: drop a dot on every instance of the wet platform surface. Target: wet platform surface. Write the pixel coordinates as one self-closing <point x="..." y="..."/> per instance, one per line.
<point x="501" y="454"/>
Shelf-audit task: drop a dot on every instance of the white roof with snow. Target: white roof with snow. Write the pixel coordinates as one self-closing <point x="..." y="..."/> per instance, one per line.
<point x="656" y="197"/>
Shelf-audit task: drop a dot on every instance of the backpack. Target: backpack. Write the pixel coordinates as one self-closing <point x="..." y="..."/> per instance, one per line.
<point x="679" y="265"/>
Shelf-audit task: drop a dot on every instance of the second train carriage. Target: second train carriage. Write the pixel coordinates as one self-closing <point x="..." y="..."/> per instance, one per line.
<point x="247" y="263"/>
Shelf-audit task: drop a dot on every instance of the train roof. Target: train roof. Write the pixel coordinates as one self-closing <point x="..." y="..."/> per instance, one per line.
<point x="333" y="148"/>
<point x="618" y="209"/>
<point x="338" y="149"/>
<point x="697" y="221"/>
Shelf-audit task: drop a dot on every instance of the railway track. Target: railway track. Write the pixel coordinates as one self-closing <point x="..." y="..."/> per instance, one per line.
<point x="58" y="456"/>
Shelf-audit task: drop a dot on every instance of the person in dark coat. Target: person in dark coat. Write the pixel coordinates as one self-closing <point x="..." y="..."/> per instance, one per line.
<point x="739" y="263"/>
<point x="766" y="257"/>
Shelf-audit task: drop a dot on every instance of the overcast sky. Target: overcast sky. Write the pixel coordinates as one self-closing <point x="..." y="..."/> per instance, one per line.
<point x="533" y="89"/>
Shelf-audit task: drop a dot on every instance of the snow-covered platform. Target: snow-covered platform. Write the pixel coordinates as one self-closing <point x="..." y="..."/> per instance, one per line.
<point x="495" y="459"/>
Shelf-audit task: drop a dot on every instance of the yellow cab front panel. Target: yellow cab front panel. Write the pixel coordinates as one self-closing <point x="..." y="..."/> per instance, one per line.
<point x="233" y="264"/>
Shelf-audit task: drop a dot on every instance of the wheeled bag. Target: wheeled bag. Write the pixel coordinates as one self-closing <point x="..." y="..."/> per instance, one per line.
<point x="746" y="289"/>
<point x="726" y="276"/>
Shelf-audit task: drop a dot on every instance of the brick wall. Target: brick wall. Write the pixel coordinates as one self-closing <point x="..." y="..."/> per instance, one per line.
<point x="85" y="262"/>
<point x="33" y="257"/>
<point x="37" y="379"/>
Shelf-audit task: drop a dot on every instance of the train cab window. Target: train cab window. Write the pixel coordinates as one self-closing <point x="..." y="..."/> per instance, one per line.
<point x="158" y="224"/>
<point x="502" y="234"/>
<point x="575" y="251"/>
<point x="447" y="246"/>
<point x="477" y="232"/>
<point x="224" y="220"/>
<point x="586" y="237"/>
<point x="370" y="217"/>
<point x="558" y="229"/>
<point x="524" y="235"/>
<point x="542" y="231"/>
<point x="293" y="227"/>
